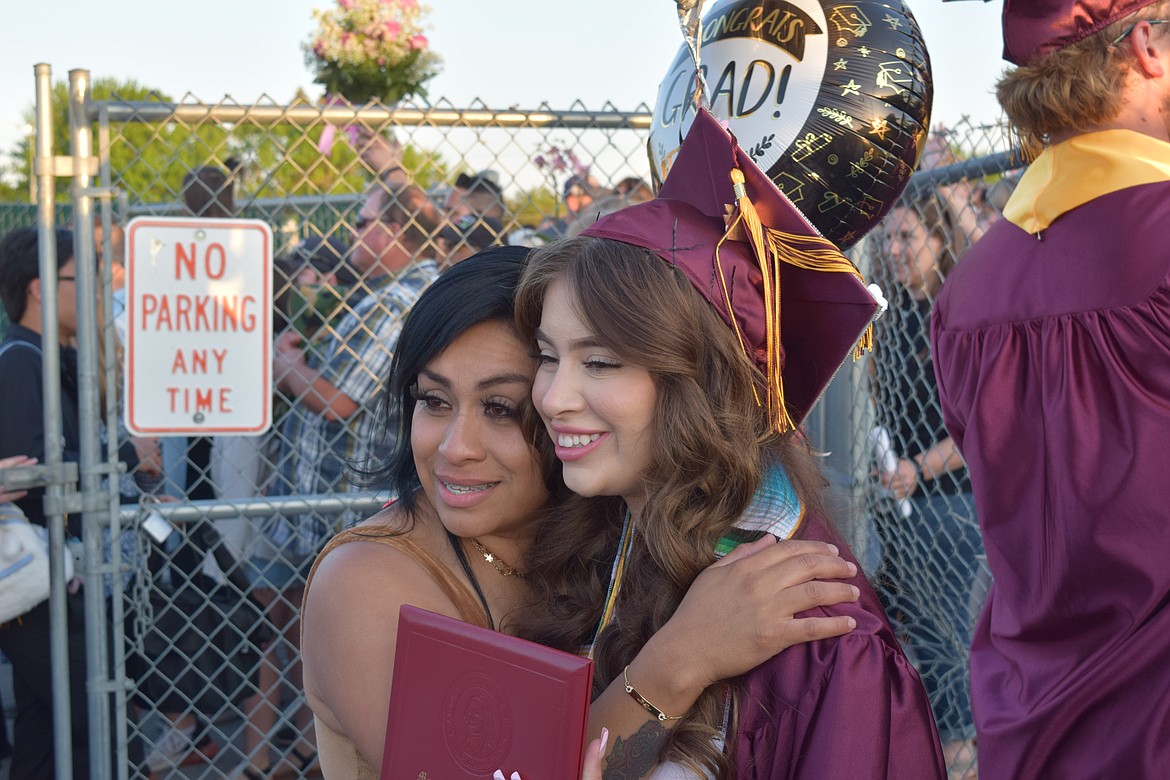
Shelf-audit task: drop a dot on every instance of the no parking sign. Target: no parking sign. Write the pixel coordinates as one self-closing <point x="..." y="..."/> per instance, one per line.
<point x="199" y="326"/>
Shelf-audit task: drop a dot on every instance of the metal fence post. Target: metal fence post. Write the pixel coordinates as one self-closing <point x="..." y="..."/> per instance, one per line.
<point x="54" y="456"/>
<point x="121" y="684"/>
<point x="94" y="515"/>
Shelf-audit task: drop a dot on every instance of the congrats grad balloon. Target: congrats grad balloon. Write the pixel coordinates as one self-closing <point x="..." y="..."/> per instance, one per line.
<point x="831" y="99"/>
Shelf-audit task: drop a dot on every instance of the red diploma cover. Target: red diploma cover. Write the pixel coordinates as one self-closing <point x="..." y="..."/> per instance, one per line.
<point x="466" y="701"/>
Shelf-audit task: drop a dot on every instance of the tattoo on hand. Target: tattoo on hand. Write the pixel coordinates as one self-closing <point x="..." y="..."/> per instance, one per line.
<point x="633" y="757"/>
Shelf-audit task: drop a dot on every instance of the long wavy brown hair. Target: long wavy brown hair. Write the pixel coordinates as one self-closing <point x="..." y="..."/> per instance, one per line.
<point x="711" y="445"/>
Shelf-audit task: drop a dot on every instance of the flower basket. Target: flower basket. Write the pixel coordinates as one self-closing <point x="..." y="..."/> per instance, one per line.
<point x="367" y="50"/>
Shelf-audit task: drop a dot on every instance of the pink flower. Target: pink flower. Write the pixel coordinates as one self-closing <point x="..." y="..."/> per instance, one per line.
<point x="347" y="4"/>
<point x="418" y="42"/>
<point x="408" y="5"/>
<point x="390" y="30"/>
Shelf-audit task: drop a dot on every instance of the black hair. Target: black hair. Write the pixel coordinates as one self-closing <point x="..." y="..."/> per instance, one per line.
<point x="479" y="289"/>
<point x="478" y="182"/>
<point x="209" y="192"/>
<point x="284" y="274"/>
<point x="326" y="255"/>
<point x="20" y="264"/>
<point x="484" y="185"/>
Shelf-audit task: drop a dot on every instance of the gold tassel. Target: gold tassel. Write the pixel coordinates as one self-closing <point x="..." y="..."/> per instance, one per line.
<point x="772" y="247"/>
<point x="811" y="253"/>
<point x="733" y="232"/>
<point x="745" y="224"/>
<point x="814" y="253"/>
<point x="864" y="344"/>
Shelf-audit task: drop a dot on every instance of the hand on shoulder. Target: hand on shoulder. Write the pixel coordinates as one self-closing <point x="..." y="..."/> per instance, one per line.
<point x="742" y="609"/>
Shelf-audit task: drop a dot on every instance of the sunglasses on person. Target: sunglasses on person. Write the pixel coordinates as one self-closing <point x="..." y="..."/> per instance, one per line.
<point x="1128" y="30"/>
<point x="363" y="221"/>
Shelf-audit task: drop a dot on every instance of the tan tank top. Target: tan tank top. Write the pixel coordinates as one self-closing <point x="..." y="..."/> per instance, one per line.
<point x="339" y="756"/>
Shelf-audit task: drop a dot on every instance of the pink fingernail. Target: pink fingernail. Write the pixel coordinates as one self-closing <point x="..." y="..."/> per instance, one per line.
<point x="604" y="739"/>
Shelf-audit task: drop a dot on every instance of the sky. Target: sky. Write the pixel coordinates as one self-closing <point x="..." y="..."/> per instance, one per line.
<point x="507" y="53"/>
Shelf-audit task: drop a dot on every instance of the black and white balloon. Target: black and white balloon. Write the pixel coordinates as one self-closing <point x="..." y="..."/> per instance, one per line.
<point x="831" y="99"/>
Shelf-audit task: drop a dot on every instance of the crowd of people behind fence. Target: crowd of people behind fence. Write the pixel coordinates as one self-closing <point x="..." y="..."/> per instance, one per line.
<point x="990" y="455"/>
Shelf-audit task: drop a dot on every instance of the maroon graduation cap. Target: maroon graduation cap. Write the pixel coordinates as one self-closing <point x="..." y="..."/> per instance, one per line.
<point x="797" y="304"/>
<point x="1033" y="28"/>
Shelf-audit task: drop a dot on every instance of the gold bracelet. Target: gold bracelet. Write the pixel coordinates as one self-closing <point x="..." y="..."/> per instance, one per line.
<point x="646" y="705"/>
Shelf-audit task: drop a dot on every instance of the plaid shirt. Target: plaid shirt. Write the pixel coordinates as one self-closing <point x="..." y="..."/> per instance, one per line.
<point x="355" y="360"/>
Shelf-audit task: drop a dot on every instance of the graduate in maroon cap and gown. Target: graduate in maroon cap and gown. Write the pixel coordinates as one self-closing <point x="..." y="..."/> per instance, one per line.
<point x="1052" y="350"/>
<point x="788" y="308"/>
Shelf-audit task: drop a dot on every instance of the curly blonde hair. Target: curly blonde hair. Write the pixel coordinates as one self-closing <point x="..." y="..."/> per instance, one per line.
<point x="1077" y="87"/>
<point x="711" y="444"/>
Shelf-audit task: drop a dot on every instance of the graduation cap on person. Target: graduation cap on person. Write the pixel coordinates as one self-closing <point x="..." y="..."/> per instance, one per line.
<point x="798" y="306"/>
<point x="1033" y="28"/>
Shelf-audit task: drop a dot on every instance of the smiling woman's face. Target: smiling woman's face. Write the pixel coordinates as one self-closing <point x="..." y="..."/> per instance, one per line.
<point x="473" y="461"/>
<point x="598" y="410"/>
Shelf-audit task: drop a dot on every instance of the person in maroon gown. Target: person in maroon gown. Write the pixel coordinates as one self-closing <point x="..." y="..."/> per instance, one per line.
<point x="1052" y="351"/>
<point x="673" y="396"/>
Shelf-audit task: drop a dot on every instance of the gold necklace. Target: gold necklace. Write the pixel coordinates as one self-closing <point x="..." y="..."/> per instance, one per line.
<point x="495" y="560"/>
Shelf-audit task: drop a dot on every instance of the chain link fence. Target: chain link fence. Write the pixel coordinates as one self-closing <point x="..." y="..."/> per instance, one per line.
<point x="220" y="530"/>
<point x="917" y="527"/>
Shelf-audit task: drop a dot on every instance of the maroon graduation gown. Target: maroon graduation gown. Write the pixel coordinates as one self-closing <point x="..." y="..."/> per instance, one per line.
<point x="1053" y="364"/>
<point x="850" y="708"/>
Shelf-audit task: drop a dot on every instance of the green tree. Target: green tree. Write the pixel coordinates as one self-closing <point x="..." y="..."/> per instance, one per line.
<point x="283" y="159"/>
<point x="531" y="207"/>
<point x="10" y="192"/>
<point x="147" y="161"/>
